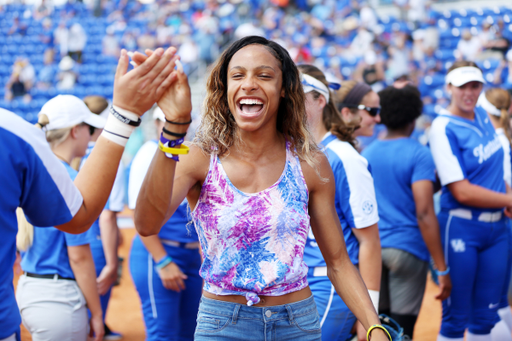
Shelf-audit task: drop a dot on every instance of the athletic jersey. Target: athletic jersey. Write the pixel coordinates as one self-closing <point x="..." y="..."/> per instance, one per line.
<point x="115" y="202"/>
<point x="48" y="253"/>
<point x="253" y="243"/>
<point x="507" y="159"/>
<point x="466" y="149"/>
<point x="31" y="178"/>
<point x="397" y="164"/>
<point x="175" y="228"/>
<point x="354" y="199"/>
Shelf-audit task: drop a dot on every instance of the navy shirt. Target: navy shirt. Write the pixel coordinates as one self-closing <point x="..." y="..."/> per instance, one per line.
<point x="466" y="149"/>
<point x="32" y="178"/>
<point x="48" y="253"/>
<point x="354" y="198"/>
<point x="397" y="164"/>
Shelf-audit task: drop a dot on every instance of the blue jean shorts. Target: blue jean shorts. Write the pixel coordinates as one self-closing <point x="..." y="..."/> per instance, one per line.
<point x="219" y="320"/>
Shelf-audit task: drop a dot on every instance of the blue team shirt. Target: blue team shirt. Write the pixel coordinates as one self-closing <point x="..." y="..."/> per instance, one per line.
<point x="115" y="202"/>
<point x="177" y="228"/>
<point x="48" y="254"/>
<point x="397" y="164"/>
<point x="32" y="178"/>
<point x="354" y="199"/>
<point x="466" y="149"/>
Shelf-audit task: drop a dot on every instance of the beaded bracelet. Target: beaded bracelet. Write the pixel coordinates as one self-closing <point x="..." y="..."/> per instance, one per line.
<point x="442" y="273"/>
<point x="377" y="326"/>
<point x="162" y="263"/>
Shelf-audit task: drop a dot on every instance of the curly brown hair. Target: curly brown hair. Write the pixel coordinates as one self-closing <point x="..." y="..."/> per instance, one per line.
<point x="217" y="131"/>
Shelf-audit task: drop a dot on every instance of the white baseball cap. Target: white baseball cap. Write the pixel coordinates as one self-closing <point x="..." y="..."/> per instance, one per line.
<point x="463" y="75"/>
<point x="158" y="114"/>
<point x="65" y="111"/>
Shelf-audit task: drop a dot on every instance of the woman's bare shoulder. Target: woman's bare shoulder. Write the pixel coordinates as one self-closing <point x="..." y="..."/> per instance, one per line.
<point x="318" y="174"/>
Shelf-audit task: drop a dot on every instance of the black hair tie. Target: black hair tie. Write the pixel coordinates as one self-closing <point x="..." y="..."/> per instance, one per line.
<point x="165" y="131"/>
<point x="178" y="123"/>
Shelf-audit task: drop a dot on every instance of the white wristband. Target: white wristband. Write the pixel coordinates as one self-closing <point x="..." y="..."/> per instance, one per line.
<point x="117" y="131"/>
<point x="374" y="296"/>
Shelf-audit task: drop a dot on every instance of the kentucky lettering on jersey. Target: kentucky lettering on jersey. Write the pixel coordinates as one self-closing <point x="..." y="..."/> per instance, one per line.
<point x="466" y="149"/>
<point x="484" y="153"/>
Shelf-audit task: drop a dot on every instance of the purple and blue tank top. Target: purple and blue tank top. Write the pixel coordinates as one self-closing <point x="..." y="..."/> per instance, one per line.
<point x="253" y="243"/>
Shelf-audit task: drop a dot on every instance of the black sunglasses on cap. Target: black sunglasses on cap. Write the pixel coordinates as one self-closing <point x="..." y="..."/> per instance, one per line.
<point x="372" y="111"/>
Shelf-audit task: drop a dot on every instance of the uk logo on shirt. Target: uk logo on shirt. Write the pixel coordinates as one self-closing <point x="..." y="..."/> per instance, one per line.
<point x="367" y="207"/>
<point x="458" y="245"/>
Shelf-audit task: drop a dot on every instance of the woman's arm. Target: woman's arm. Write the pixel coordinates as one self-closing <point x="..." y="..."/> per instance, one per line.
<point x="135" y="91"/>
<point x="328" y="234"/>
<point x="109" y="237"/>
<point x="171" y="275"/>
<point x="370" y="265"/>
<point x="82" y="264"/>
<point x="423" y="198"/>
<point x="165" y="186"/>
<point x="473" y="195"/>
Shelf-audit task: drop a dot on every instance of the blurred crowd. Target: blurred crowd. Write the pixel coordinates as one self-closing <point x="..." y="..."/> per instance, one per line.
<point x="73" y="48"/>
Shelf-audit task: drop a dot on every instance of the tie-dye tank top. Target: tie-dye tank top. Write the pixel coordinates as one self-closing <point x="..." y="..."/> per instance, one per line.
<point x="253" y="243"/>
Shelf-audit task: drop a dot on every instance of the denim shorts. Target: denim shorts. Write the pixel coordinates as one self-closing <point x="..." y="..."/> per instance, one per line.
<point x="219" y="320"/>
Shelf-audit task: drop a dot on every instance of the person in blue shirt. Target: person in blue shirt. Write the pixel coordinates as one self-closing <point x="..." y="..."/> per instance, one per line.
<point x="165" y="267"/>
<point x="58" y="280"/>
<point x="34" y="179"/>
<point x="106" y="241"/>
<point x="404" y="174"/>
<point x="496" y="102"/>
<point x="468" y="156"/>
<point x="355" y="201"/>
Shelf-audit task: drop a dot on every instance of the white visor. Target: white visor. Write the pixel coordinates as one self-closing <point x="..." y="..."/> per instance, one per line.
<point x="463" y="75"/>
<point x="310" y="83"/>
<point x="488" y="106"/>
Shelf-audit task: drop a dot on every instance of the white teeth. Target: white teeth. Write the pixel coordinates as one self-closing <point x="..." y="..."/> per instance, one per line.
<point x="250" y="101"/>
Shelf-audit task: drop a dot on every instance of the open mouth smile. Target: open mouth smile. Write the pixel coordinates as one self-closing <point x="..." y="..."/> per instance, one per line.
<point x="250" y="106"/>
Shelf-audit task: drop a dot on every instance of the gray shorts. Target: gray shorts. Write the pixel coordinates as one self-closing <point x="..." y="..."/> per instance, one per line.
<point x="52" y="309"/>
<point x="403" y="282"/>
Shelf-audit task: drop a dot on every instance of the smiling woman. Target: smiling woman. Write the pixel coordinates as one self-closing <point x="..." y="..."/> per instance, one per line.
<point x="256" y="183"/>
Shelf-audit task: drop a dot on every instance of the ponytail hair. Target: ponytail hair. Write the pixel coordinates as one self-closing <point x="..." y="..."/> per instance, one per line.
<point x="42" y="121"/>
<point x="331" y="116"/>
<point x="56" y="136"/>
<point x="500" y="98"/>
<point x="25" y="236"/>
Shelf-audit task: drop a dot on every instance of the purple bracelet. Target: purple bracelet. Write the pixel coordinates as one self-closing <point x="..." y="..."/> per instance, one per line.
<point x="172" y="144"/>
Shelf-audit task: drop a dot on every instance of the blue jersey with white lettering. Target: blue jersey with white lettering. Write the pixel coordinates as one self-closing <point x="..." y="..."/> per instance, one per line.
<point x="396" y="164"/>
<point x="32" y="178"/>
<point x="466" y="149"/>
<point x="354" y="199"/>
<point x="177" y="228"/>
<point x="48" y="253"/>
<point x="115" y="202"/>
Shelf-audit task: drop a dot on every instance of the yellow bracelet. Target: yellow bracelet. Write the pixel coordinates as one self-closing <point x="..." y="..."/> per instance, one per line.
<point x="174" y="151"/>
<point x="377" y="326"/>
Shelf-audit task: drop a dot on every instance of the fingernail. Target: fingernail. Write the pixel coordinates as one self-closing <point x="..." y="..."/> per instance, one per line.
<point x="180" y="66"/>
<point x="159" y="51"/>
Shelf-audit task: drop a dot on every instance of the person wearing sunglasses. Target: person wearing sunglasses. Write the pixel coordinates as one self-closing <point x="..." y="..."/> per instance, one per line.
<point x="363" y="102"/>
<point x="59" y="280"/>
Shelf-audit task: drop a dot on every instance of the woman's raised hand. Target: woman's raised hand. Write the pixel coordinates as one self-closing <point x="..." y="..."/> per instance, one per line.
<point x="138" y="89"/>
<point x="175" y="102"/>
